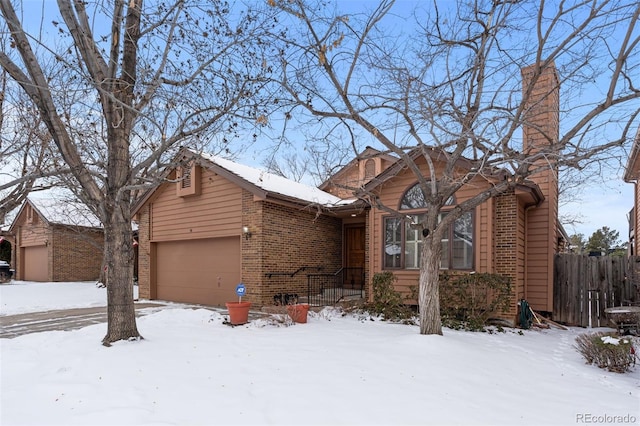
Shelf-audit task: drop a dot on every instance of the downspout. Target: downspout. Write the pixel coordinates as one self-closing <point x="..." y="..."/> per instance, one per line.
<point x="526" y="250"/>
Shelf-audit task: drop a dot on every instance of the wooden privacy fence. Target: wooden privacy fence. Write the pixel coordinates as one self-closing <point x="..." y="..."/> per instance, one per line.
<point x="584" y="286"/>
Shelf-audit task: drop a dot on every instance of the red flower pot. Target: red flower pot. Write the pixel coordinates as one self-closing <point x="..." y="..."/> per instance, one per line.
<point x="298" y="313"/>
<point x="238" y="312"/>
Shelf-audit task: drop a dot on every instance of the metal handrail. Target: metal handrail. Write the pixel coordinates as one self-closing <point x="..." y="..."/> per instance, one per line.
<point x="329" y="288"/>
<point x="291" y="274"/>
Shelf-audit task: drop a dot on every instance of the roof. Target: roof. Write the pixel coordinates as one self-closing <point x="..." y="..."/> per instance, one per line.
<point x="57" y="211"/>
<point x="527" y="186"/>
<point x="632" y="171"/>
<point x="400" y="165"/>
<point x="273" y="184"/>
<point x="259" y="182"/>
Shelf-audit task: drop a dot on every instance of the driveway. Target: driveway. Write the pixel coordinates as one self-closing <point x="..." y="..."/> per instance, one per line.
<point x="71" y="319"/>
<point x="64" y="319"/>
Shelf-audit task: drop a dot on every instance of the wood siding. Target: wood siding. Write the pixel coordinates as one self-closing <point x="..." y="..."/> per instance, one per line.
<point x="355" y="175"/>
<point x="32" y="238"/>
<point x="636" y="220"/>
<point x="216" y="212"/>
<point x="542" y="118"/>
<point x="391" y="193"/>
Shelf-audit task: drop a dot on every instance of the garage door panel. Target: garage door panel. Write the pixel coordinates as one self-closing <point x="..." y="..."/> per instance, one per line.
<point x="36" y="266"/>
<point x="198" y="271"/>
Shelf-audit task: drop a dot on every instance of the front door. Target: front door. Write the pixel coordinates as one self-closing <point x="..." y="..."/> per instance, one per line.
<point x="354" y="252"/>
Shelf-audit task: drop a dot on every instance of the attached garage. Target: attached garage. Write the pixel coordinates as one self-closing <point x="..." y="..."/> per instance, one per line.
<point x="204" y="271"/>
<point x="36" y="265"/>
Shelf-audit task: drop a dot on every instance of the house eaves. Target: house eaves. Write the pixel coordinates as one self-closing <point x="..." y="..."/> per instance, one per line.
<point x="530" y="192"/>
<point x="632" y="171"/>
<point x="400" y="165"/>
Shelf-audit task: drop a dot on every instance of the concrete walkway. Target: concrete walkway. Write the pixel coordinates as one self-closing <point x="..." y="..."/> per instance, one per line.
<point x="64" y="319"/>
<point x="72" y="319"/>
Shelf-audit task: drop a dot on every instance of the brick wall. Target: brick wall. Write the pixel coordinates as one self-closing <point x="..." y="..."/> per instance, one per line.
<point x="76" y="253"/>
<point x="144" y="253"/>
<point x="252" y="247"/>
<point x="506" y="244"/>
<point x="284" y="239"/>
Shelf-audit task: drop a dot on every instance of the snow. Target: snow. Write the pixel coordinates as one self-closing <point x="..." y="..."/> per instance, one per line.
<point x="277" y="184"/>
<point x="64" y="211"/>
<point x="191" y="369"/>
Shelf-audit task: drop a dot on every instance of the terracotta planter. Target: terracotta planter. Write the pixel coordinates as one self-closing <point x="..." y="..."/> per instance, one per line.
<point x="238" y="312"/>
<point x="298" y="313"/>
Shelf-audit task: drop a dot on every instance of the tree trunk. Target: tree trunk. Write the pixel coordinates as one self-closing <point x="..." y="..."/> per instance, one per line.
<point x="121" y="318"/>
<point x="429" y="291"/>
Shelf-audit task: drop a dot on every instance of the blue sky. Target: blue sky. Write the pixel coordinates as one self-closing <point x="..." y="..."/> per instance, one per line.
<point x="602" y="202"/>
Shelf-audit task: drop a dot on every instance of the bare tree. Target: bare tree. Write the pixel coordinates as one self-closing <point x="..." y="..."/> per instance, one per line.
<point x="447" y="92"/>
<point x="26" y="158"/>
<point x="24" y="144"/>
<point x="140" y="81"/>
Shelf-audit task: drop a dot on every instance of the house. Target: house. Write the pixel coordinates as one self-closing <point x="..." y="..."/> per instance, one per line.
<point x="56" y="240"/>
<point x="221" y="223"/>
<point x="217" y="223"/>
<point x="632" y="175"/>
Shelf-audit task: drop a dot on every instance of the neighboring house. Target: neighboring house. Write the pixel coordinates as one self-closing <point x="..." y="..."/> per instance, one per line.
<point x="219" y="223"/>
<point x="56" y="240"/>
<point x="632" y="175"/>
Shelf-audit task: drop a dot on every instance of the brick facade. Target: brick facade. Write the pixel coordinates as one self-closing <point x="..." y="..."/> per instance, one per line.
<point x="507" y="246"/>
<point x="144" y="254"/>
<point x="284" y="240"/>
<point x="75" y="253"/>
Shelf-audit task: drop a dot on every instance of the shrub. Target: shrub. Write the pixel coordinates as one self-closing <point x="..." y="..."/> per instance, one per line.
<point x="387" y="302"/>
<point x="467" y="301"/>
<point x="607" y="350"/>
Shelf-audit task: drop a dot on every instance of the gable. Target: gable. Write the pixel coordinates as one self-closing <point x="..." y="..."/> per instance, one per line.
<point x="392" y="188"/>
<point x="27" y="216"/>
<point x="216" y="211"/>
<point x="357" y="173"/>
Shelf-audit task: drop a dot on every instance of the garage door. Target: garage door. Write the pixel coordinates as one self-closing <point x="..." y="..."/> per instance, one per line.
<point x="35" y="263"/>
<point x="198" y="271"/>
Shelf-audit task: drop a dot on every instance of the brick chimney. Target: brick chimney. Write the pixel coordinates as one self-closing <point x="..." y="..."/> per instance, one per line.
<point x="541" y="91"/>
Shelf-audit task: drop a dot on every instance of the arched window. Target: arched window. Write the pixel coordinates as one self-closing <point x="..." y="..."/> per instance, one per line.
<point x="414" y="199"/>
<point x="403" y="245"/>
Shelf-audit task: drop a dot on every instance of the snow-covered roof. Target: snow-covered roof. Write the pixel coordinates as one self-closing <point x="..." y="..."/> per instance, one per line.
<point x="273" y="183"/>
<point x="65" y="212"/>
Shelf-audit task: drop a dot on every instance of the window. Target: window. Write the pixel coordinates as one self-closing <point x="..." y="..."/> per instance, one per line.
<point x="402" y="245"/>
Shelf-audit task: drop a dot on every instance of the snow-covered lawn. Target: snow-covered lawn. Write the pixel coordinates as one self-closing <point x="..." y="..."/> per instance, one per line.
<point x="192" y="369"/>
